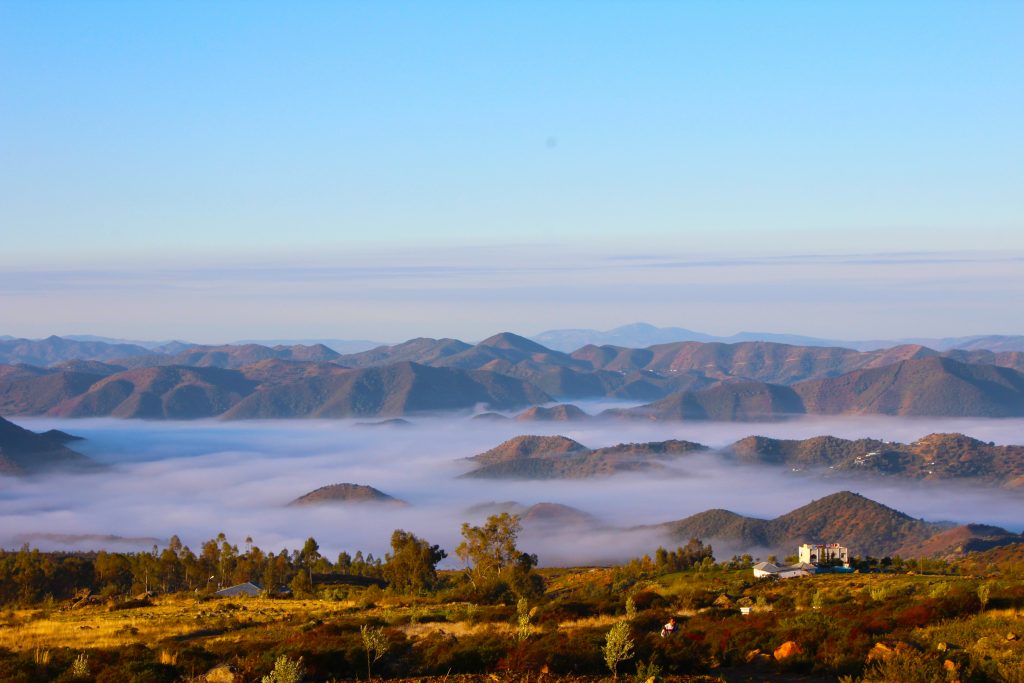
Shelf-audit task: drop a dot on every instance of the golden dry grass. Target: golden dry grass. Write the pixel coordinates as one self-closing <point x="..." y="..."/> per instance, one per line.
<point x="457" y="629"/>
<point x="231" y="620"/>
<point x="169" y="617"/>
<point x="601" y="621"/>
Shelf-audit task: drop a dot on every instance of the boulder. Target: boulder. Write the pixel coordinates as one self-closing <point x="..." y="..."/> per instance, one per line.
<point x="885" y="650"/>
<point x="788" y="649"/>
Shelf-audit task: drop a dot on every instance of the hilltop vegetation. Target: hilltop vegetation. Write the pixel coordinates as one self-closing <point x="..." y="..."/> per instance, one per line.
<point x="933" y="457"/>
<point x="557" y="457"/>
<point x="936" y="456"/>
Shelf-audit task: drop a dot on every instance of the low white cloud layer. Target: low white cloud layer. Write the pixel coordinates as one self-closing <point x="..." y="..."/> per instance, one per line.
<point x="199" y="478"/>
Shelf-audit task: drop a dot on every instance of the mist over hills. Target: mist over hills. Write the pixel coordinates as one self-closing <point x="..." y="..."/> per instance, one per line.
<point x="676" y="381"/>
<point x="239" y="478"/>
<point x="934" y="457"/>
<point x="346" y="494"/>
<point x="25" y="452"/>
<point x="540" y="517"/>
<point x="866" y="527"/>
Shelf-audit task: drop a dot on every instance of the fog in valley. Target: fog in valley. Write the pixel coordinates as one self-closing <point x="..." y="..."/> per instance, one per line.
<point x="197" y="479"/>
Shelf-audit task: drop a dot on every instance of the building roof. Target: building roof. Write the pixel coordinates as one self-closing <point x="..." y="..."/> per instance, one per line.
<point x="769" y="568"/>
<point x="247" y="588"/>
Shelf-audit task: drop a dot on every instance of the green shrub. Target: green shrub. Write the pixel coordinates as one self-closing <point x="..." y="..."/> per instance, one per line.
<point x="285" y="671"/>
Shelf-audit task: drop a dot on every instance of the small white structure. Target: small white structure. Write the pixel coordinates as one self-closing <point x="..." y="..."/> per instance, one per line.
<point x="824" y="554"/>
<point x="763" y="569"/>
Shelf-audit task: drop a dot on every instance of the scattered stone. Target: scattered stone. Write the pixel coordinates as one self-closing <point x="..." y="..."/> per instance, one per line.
<point x="788" y="649"/>
<point x="1012" y="636"/>
<point x="885" y="650"/>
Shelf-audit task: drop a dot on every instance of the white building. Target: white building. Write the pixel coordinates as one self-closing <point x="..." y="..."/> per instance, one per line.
<point x="824" y="554"/>
<point x="763" y="569"/>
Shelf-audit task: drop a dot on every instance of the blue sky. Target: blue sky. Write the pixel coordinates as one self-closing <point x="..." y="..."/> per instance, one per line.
<point x="167" y="139"/>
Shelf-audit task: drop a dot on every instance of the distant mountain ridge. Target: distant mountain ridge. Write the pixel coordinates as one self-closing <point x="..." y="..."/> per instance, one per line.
<point x="232" y="357"/>
<point x="642" y="335"/>
<point x="387" y="391"/>
<point x="168" y="392"/>
<point x="53" y="349"/>
<point x="336" y="345"/>
<point x="922" y="386"/>
<point x="679" y="381"/>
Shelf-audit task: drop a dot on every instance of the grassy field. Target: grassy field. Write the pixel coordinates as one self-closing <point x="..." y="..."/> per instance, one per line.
<point x="855" y="625"/>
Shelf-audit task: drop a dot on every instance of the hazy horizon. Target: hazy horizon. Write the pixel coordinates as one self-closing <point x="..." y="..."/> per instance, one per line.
<point x="391" y="296"/>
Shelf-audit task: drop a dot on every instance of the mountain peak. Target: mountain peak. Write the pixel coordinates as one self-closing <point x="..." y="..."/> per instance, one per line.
<point x="346" y="493"/>
<point x="510" y="340"/>
<point x="530" y="446"/>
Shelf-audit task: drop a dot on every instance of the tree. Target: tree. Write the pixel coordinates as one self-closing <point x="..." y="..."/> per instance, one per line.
<point x="618" y="647"/>
<point x="491" y="547"/>
<point x="630" y="608"/>
<point x="984" y="592"/>
<point x="344" y="563"/>
<point x="375" y="643"/>
<point x="113" y="572"/>
<point x="170" y="570"/>
<point x="301" y="585"/>
<point x="412" y="564"/>
<point x="308" y="556"/>
<point x="492" y="552"/>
